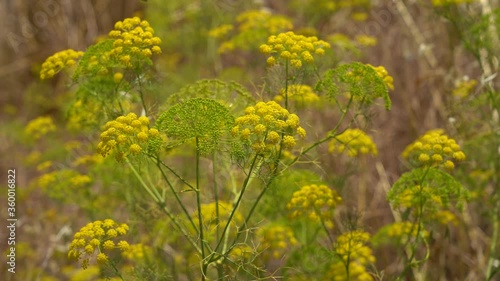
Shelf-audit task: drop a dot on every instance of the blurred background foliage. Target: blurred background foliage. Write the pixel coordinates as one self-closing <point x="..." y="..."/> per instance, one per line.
<point x="433" y="52"/>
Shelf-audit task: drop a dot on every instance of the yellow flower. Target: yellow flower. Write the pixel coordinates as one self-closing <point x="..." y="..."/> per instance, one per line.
<point x="266" y="126"/>
<point x="39" y="127"/>
<point x="275" y="241"/>
<point x="89" y="237"/>
<point x="353" y="255"/>
<point x="315" y="202"/>
<point x="127" y="134"/>
<point x="436" y="146"/>
<point x="291" y="48"/>
<point x="57" y="62"/>
<point x="302" y="95"/>
<point x="382" y="72"/>
<point x="102" y="258"/>
<point x="356" y="141"/>
<point x="134" y="38"/>
<point x="250" y="27"/>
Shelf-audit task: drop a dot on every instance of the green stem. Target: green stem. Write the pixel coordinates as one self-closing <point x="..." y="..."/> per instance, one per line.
<point x="286" y="85"/>
<point x="236" y="205"/>
<point x="141" y="95"/>
<point x="331" y="135"/>
<point x="117" y="272"/>
<point x="155" y="195"/>
<point x="177" y="198"/>
<point x="216" y="197"/>
<point x="198" y="203"/>
<point x="177" y="175"/>
<point x="161" y="203"/>
<point x="493" y="245"/>
<point x="410" y="263"/>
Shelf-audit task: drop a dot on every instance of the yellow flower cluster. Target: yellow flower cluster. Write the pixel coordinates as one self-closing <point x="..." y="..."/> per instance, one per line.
<point x="355" y="256"/>
<point x="355" y="141"/>
<point x="414" y="196"/>
<point x="97" y="237"/>
<point x="66" y="177"/>
<point x="365" y="40"/>
<point x="302" y="95"/>
<point x="294" y="49"/>
<point x="252" y="26"/>
<point x="382" y="72"/>
<point x="438" y="3"/>
<point x="137" y="252"/>
<point x="315" y="202"/>
<point x="434" y="148"/>
<point x="211" y="222"/>
<point x="266" y="126"/>
<point x="220" y="31"/>
<point x="275" y="240"/>
<point x="126" y="135"/>
<point x="250" y="20"/>
<point x="464" y="88"/>
<point x="402" y="231"/>
<point x="134" y="41"/>
<point x="399" y="233"/>
<point x="39" y="127"/>
<point x="57" y="62"/>
<point x="209" y="214"/>
<point x="88" y="160"/>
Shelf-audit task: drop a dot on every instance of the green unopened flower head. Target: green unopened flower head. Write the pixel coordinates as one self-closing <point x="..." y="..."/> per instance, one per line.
<point x="126" y="135"/>
<point x="266" y="126"/>
<point x="434" y="148"/>
<point x="294" y="49"/>
<point x="199" y="118"/>
<point x="314" y="202"/>
<point x="301" y="95"/>
<point x="276" y="240"/>
<point x="354" y="255"/>
<point x="134" y="41"/>
<point x="362" y="83"/>
<point x="57" y="62"/>
<point x="97" y="239"/>
<point x="355" y="142"/>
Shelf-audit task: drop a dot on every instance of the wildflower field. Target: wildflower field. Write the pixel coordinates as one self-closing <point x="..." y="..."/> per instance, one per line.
<point x="250" y="140"/>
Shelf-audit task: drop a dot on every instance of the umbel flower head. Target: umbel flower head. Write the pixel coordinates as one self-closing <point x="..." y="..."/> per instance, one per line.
<point x="201" y="119"/>
<point x="302" y="95"/>
<point x="58" y="61"/>
<point x="398" y="233"/>
<point x="314" y="202"/>
<point x="126" y="135"/>
<point x="294" y="49"/>
<point x="251" y="26"/>
<point x="266" y="126"/>
<point x="355" y="142"/>
<point x="98" y="239"/>
<point x="276" y="240"/>
<point x="354" y="256"/>
<point x="134" y="41"/>
<point x="359" y="82"/>
<point x="39" y="127"/>
<point x="434" y="148"/>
